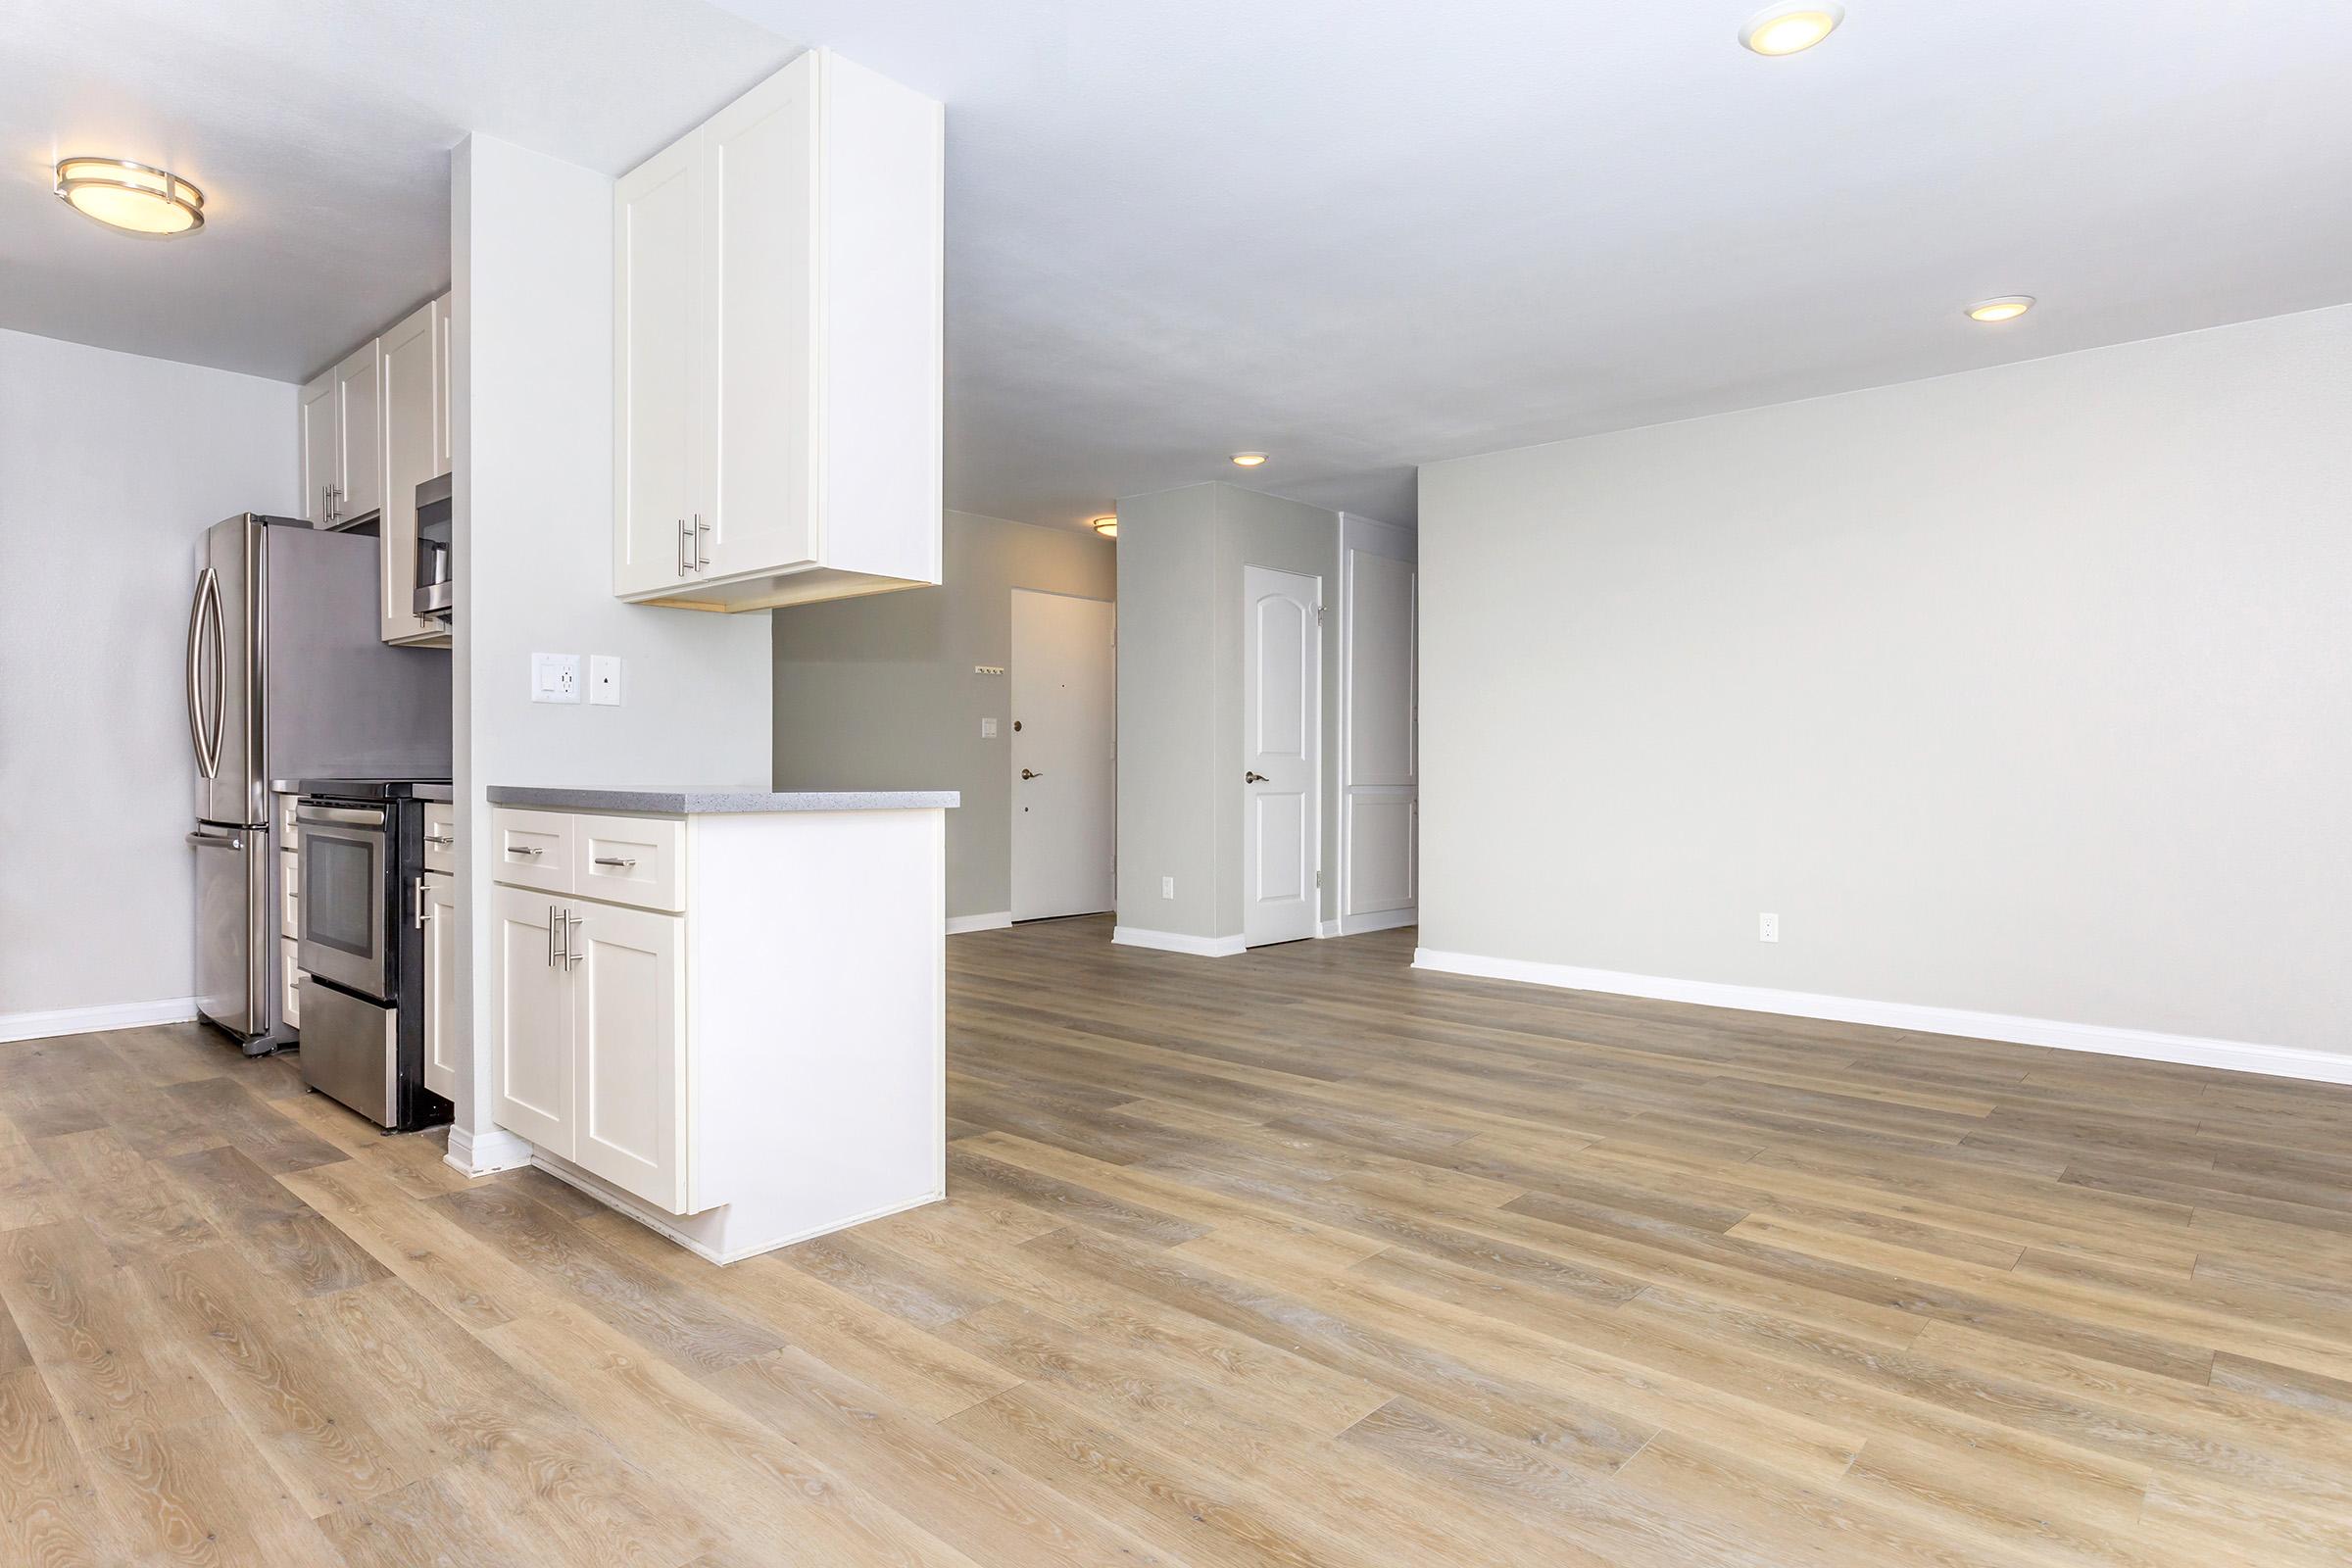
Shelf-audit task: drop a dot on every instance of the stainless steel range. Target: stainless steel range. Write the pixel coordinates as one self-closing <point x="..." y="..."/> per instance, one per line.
<point x="364" y="918"/>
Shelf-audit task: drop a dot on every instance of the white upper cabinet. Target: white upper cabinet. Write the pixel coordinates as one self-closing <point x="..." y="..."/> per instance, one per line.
<point x="777" y="317"/>
<point x="412" y="404"/>
<point x="360" y="432"/>
<point x="322" y="439"/>
<point x="373" y="429"/>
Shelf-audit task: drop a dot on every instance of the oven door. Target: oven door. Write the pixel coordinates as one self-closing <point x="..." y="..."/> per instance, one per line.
<point x="343" y="853"/>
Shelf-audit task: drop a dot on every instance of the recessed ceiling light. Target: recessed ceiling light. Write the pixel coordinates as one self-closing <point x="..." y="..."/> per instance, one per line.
<point x="136" y="198"/>
<point x="1249" y="460"/>
<point x="1790" y="29"/>
<point x="1108" y="528"/>
<point x="2008" y="308"/>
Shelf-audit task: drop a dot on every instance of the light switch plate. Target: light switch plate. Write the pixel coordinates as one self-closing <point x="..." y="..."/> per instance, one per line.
<point x="988" y="729"/>
<point x="555" y="677"/>
<point x="603" y="679"/>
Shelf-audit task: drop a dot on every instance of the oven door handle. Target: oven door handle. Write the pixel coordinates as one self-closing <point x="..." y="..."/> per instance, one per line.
<point x="354" y="815"/>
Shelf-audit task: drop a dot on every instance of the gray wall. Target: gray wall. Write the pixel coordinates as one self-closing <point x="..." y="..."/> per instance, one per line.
<point x="1180" y="695"/>
<point x="879" y="692"/>
<point x="2026" y="689"/>
<point x="111" y="467"/>
<point x="532" y="390"/>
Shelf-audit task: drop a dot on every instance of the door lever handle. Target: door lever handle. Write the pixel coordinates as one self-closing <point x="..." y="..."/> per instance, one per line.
<point x="1254" y="778"/>
<point x="1026" y="774"/>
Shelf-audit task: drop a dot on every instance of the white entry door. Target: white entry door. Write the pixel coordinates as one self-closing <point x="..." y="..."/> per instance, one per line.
<point x="1065" y="756"/>
<point x="1282" y="727"/>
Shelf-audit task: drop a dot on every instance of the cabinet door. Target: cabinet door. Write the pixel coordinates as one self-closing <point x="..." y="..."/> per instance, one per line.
<point x="319" y="443"/>
<point x="630" y="1030"/>
<point x="530" y="1020"/>
<point x="658" y="437"/>
<point x="440" y="986"/>
<point x="360" y="460"/>
<point x="410" y="394"/>
<point x="444" y="449"/>
<point x="760" y="235"/>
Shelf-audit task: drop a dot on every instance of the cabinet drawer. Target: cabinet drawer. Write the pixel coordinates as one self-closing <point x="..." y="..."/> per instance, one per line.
<point x="531" y="849"/>
<point x="289" y="893"/>
<point x="440" y="837"/>
<point x="630" y="860"/>
<point x="290" y="984"/>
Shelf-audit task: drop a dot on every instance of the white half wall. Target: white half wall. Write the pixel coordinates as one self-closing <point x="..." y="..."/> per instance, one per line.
<point x="2021" y="693"/>
<point x="531" y="256"/>
<point x="111" y="468"/>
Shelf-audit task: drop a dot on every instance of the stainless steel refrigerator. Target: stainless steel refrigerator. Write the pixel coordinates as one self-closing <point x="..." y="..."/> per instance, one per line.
<point x="286" y="676"/>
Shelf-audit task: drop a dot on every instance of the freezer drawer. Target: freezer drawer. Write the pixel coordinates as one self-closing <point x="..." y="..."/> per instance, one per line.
<point x="351" y="1049"/>
<point x="233" y="940"/>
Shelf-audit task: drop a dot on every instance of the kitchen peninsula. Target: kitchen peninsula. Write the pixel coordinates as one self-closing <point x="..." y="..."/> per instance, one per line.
<point x="722" y="1012"/>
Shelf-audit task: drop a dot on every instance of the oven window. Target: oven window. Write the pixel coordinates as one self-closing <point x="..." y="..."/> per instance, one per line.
<point x="339" y="893"/>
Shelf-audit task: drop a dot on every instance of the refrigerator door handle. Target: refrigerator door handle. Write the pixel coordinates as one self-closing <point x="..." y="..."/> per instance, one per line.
<point x="211" y="758"/>
<point x="205" y="588"/>
<point x="230" y="840"/>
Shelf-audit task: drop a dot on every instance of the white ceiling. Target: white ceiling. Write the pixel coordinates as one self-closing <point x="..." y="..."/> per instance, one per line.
<point x="1356" y="233"/>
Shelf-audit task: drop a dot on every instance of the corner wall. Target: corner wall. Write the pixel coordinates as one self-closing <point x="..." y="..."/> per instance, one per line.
<point x="879" y="692"/>
<point x="1180" y="554"/>
<point x="112" y="466"/>
<point x="2021" y="691"/>
<point x="532" y="387"/>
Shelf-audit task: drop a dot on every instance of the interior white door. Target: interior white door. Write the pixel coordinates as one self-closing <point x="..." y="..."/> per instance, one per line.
<point x="530" y="1011"/>
<point x="630" y="1035"/>
<point x="441" y="985"/>
<point x="1063" y="754"/>
<point x="1282" y="675"/>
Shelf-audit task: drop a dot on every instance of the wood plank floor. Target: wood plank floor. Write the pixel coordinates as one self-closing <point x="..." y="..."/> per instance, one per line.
<point x="1300" y="1257"/>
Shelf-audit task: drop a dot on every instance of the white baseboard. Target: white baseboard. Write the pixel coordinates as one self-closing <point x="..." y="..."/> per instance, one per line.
<point x="485" y="1153"/>
<point x="1356" y="925"/>
<point x="96" y="1020"/>
<point x="2145" y="1045"/>
<point x="1135" y="936"/>
<point x="958" y="924"/>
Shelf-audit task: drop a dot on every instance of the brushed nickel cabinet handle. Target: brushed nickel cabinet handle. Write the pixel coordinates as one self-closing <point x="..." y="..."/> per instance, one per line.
<point x="531" y="850"/>
<point x="421" y="912"/>
<point x="571" y="955"/>
<point x="439" y="838"/>
<point x="614" y="860"/>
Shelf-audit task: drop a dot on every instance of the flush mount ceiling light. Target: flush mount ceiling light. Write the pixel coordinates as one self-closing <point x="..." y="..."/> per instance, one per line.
<point x="1249" y="460"/>
<point x="136" y="198"/>
<point x="1792" y="28"/>
<point x="2008" y="308"/>
<point x="1108" y="528"/>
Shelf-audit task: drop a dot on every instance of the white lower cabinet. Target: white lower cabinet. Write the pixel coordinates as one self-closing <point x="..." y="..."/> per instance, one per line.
<point x="730" y="1026"/>
<point x="628" y="1030"/>
<point x="591" y="1010"/>
<point x="440" y="984"/>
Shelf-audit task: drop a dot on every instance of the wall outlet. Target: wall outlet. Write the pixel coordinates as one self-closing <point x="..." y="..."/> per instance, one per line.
<point x="555" y="677"/>
<point x="603" y="679"/>
<point x="988" y="729"/>
<point x="1768" y="928"/>
<point x="1167" y="887"/>
<point x="988" y="670"/>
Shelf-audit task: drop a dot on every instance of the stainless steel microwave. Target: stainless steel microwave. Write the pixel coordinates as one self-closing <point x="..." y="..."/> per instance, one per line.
<point x="436" y="560"/>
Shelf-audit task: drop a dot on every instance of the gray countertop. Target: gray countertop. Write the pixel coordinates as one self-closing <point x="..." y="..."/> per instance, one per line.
<point x="716" y="801"/>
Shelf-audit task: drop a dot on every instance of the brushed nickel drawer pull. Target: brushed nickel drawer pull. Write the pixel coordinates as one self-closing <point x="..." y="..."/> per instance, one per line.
<point x="525" y="849"/>
<point x="439" y="838"/>
<point x="613" y="859"/>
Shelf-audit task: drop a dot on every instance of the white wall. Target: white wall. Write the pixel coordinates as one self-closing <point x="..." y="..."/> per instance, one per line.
<point x="111" y="468"/>
<point x="878" y="691"/>
<point x="1379" y="596"/>
<point x="2026" y="691"/>
<point x="532" y="389"/>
